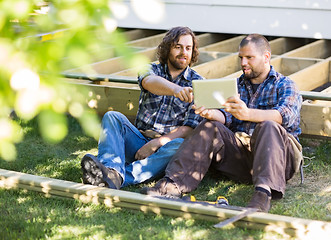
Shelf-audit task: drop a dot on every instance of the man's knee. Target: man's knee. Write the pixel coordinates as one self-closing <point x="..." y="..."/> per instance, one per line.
<point x="268" y="130"/>
<point x="210" y="125"/>
<point x="113" y="116"/>
<point x="267" y="126"/>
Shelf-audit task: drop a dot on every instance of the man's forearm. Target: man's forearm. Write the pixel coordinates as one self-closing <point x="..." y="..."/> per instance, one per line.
<point x="258" y="115"/>
<point x="159" y="86"/>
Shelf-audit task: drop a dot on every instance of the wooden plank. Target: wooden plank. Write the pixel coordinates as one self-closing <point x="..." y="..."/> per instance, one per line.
<point x="148" y="42"/>
<point x="220" y="67"/>
<point x="113" y="97"/>
<point x="112" y="65"/>
<point x="278" y="46"/>
<point x="327" y="90"/>
<point x="312" y="77"/>
<point x="131" y="72"/>
<point x="319" y="49"/>
<point x="135" y="34"/>
<point x="316" y="119"/>
<point x="87" y="193"/>
<point x="209" y="56"/>
<point x="210" y="38"/>
<point x="282" y="45"/>
<point x="230" y="45"/>
<point x="288" y="66"/>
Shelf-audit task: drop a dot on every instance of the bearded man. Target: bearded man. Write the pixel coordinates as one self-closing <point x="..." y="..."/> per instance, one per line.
<point x="130" y="154"/>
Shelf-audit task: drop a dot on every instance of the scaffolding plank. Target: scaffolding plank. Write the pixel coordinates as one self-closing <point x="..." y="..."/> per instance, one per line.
<point x="319" y="49"/>
<point x="113" y="97"/>
<point x="288" y="66"/>
<point x="148" y="42"/>
<point x="312" y="77"/>
<point x="210" y="38"/>
<point x="283" y="45"/>
<point x="135" y="34"/>
<point x="219" y="68"/>
<point x="112" y="65"/>
<point x="316" y="119"/>
<point x="230" y="45"/>
<point x="297" y="227"/>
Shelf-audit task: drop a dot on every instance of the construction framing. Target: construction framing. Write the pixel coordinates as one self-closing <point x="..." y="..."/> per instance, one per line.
<point x="297" y="227"/>
<point x="113" y="86"/>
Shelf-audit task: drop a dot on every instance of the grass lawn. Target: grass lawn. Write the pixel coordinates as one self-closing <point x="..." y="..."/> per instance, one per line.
<point x="30" y="215"/>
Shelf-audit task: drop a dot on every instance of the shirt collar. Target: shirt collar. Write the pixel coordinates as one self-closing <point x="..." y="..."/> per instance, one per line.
<point x="183" y="75"/>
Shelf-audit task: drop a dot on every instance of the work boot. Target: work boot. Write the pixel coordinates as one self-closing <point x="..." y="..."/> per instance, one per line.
<point x="95" y="173"/>
<point x="164" y="187"/>
<point x="261" y="201"/>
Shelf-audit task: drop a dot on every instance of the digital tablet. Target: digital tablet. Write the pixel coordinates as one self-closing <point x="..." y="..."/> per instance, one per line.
<point x="212" y="93"/>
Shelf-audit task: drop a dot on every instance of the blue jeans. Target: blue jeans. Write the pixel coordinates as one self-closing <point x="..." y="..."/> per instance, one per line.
<point x="118" y="144"/>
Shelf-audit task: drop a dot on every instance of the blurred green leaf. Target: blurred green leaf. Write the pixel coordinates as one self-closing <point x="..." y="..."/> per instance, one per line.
<point x="38" y="41"/>
<point x="53" y="126"/>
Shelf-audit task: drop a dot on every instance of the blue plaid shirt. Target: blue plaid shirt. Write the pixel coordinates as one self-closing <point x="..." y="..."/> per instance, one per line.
<point x="276" y="92"/>
<point x="165" y="113"/>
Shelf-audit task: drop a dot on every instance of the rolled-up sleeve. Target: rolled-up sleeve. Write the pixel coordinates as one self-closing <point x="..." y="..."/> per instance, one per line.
<point x="289" y="103"/>
<point x="150" y="70"/>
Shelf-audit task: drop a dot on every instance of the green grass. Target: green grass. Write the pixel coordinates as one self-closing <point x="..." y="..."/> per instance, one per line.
<point x="30" y="215"/>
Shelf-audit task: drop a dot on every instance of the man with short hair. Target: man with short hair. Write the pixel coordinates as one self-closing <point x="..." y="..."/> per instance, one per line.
<point x="253" y="140"/>
<point x="131" y="154"/>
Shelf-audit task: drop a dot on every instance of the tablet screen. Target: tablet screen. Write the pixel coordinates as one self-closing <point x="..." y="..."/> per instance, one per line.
<point x="212" y="93"/>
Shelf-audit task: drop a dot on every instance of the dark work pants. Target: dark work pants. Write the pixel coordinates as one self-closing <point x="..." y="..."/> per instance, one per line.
<point x="212" y="145"/>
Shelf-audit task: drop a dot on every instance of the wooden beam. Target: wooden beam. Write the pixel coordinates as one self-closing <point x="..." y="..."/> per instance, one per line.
<point x="296" y="227"/>
<point x="133" y="72"/>
<point x="220" y="67"/>
<point x="230" y="45"/>
<point x="327" y="91"/>
<point x="320" y="49"/>
<point x="210" y="38"/>
<point x="312" y="77"/>
<point x="316" y="119"/>
<point x="112" y="65"/>
<point x="205" y="57"/>
<point x="148" y="42"/>
<point x="135" y="34"/>
<point x="113" y="96"/>
<point x="278" y="46"/>
<point x="283" y="45"/>
<point x="288" y="66"/>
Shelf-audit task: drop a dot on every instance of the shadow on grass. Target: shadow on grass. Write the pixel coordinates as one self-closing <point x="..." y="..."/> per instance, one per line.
<point x="30" y="216"/>
<point x="62" y="160"/>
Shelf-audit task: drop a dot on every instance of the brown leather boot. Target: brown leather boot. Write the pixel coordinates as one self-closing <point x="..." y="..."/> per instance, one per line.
<point x="261" y="201"/>
<point x="164" y="187"/>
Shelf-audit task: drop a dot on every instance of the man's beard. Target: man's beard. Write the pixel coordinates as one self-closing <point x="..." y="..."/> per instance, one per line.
<point x="178" y="65"/>
<point x="251" y="75"/>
